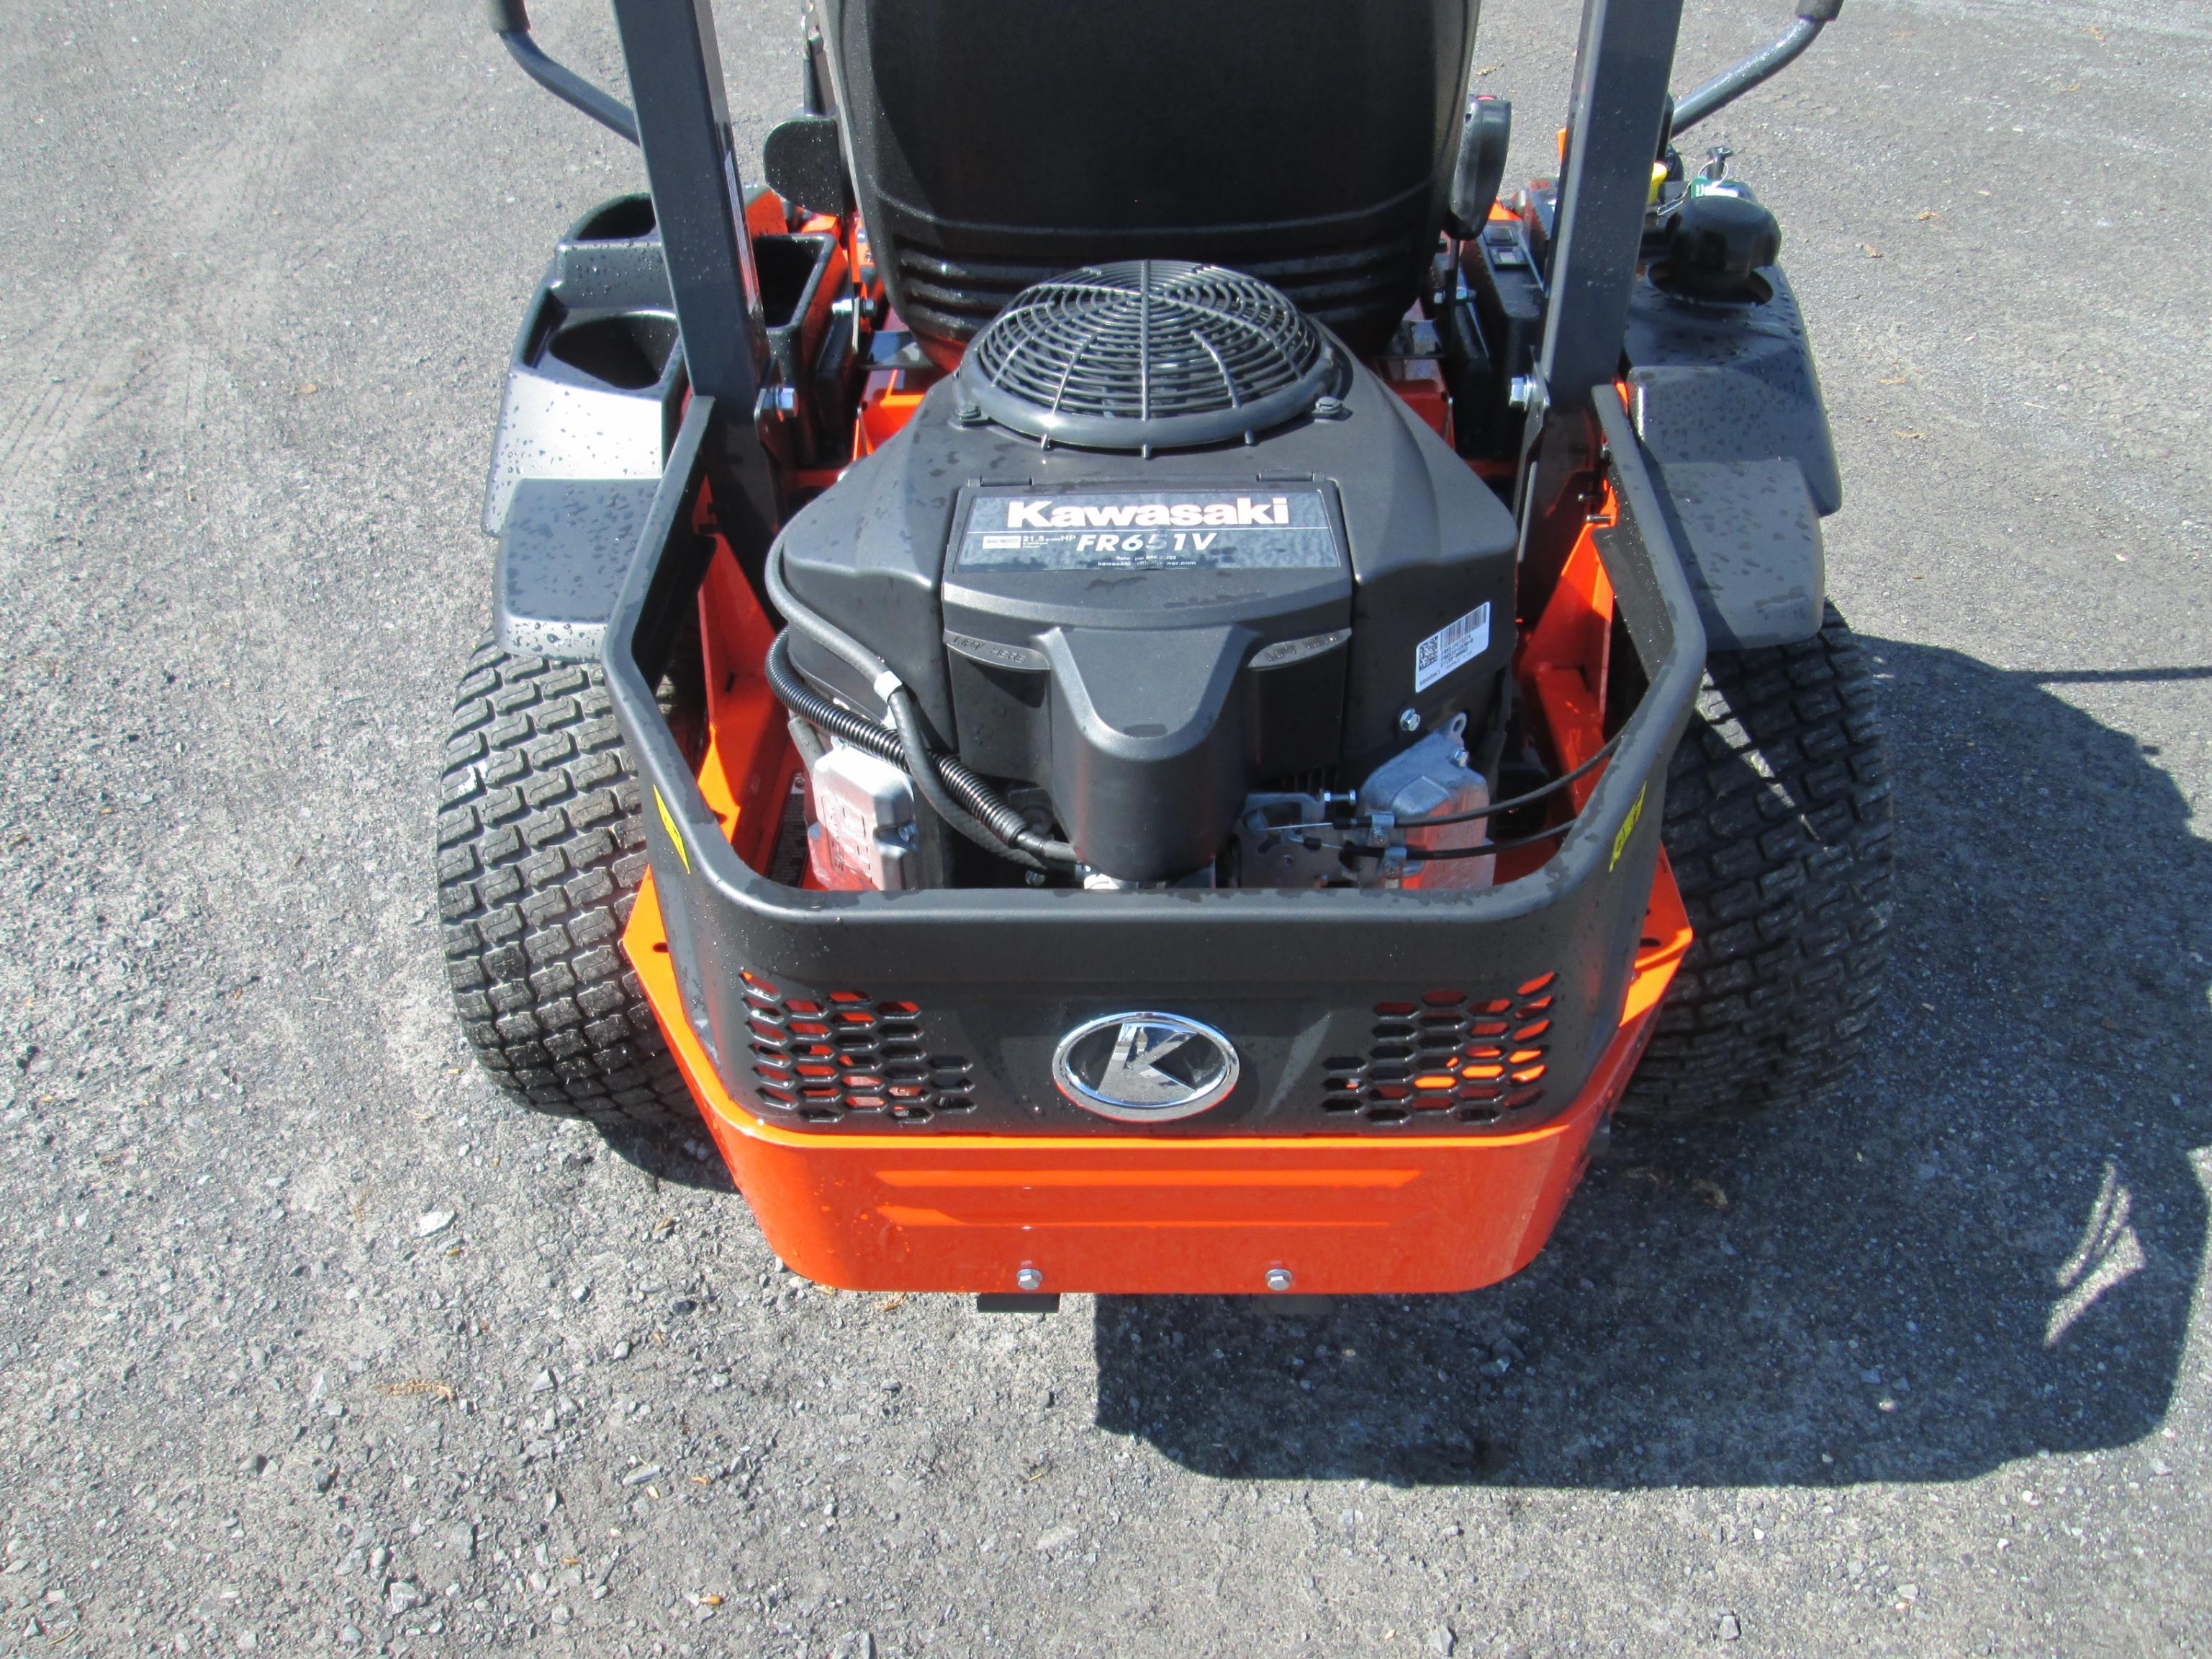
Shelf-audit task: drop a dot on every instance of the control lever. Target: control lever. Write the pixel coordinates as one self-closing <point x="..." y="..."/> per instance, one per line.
<point x="1481" y="165"/>
<point x="1813" y="16"/>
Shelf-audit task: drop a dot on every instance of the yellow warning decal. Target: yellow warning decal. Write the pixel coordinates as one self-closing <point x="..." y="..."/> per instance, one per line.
<point x="668" y="823"/>
<point x="1620" y="837"/>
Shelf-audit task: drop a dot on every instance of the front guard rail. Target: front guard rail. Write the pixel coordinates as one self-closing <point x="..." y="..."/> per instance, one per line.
<point x="1065" y="955"/>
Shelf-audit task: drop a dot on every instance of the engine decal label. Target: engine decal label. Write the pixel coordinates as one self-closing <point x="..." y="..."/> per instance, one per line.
<point x="1265" y="527"/>
<point x="1459" y="643"/>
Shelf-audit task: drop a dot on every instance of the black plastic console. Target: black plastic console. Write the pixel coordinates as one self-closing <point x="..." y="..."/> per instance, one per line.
<point x="596" y="382"/>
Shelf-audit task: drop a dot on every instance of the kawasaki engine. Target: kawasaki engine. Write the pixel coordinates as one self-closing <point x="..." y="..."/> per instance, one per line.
<point x="1160" y="587"/>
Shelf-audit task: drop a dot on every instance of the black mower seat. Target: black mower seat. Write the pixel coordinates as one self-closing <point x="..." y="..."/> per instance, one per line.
<point x="998" y="143"/>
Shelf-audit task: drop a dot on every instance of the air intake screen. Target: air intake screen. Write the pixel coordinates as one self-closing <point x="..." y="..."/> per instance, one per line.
<point x="1151" y="354"/>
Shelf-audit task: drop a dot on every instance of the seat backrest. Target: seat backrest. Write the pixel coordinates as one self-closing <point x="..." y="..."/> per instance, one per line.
<point x="996" y="143"/>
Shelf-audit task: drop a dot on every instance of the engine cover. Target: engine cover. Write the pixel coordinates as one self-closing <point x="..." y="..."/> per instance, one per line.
<point x="1151" y="634"/>
<point x="1147" y="674"/>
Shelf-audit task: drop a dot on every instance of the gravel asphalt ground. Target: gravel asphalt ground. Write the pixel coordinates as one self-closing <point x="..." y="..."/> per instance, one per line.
<point x="308" y="1341"/>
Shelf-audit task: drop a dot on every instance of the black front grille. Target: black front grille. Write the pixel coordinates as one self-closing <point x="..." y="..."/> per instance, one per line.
<point x="1446" y="1055"/>
<point x="822" y="1056"/>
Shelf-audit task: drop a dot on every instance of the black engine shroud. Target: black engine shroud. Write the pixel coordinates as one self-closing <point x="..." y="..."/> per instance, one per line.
<point x="1150" y="639"/>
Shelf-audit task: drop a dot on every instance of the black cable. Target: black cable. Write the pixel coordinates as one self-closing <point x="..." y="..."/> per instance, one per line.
<point x="1060" y="854"/>
<point x="962" y="789"/>
<point x="972" y="798"/>
<point x="1511" y="802"/>
<point x="858" y="730"/>
<point x="913" y="753"/>
<point x="797" y="696"/>
<point x="818" y="627"/>
<point x="985" y="819"/>
<point x="1414" y="855"/>
<point x="1604" y="753"/>
<point x="959" y="796"/>
<point x="1493" y="741"/>
<point x="982" y="800"/>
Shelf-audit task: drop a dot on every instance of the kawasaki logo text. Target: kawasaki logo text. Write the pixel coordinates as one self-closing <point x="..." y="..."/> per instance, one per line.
<point x="1066" y="515"/>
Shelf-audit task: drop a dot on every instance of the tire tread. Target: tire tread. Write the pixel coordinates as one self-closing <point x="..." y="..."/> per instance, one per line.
<point x="1777" y="825"/>
<point x="540" y="855"/>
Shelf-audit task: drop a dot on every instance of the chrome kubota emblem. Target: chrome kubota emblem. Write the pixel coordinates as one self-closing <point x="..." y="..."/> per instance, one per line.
<point x="1145" y="1067"/>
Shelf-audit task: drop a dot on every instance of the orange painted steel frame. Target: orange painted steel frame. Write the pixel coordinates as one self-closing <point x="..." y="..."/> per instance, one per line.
<point x="1342" y="1214"/>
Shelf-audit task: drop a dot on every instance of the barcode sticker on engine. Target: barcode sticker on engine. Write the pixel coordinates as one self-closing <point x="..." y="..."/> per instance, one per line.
<point x="1461" y="641"/>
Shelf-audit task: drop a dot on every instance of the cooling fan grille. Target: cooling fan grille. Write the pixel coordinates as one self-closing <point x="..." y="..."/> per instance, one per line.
<point x="1149" y="354"/>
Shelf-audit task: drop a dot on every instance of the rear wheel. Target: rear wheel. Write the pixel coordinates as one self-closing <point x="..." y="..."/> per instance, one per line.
<point x="540" y="855"/>
<point x="1777" y="825"/>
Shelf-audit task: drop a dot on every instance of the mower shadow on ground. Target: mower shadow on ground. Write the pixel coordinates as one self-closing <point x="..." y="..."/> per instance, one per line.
<point x="687" y="1160"/>
<point x="1987" y="1249"/>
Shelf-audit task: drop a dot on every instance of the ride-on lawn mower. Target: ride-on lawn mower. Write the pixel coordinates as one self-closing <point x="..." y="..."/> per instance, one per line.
<point x="1129" y="682"/>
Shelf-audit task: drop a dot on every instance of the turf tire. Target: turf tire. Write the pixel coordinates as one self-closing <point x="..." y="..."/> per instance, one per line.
<point x="540" y="855"/>
<point x="1777" y="825"/>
